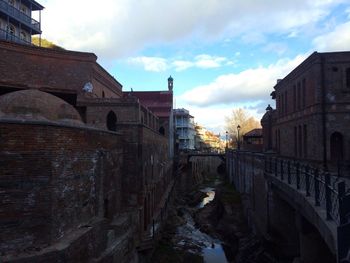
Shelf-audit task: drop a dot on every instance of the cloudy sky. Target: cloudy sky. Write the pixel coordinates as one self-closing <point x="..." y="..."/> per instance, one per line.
<point x="222" y="54"/>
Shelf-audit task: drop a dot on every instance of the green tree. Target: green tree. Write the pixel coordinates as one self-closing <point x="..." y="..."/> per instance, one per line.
<point x="242" y="118"/>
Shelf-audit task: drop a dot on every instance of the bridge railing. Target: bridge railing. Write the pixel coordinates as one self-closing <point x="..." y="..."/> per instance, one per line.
<point x="325" y="191"/>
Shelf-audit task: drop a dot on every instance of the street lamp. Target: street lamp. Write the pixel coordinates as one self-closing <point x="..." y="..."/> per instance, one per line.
<point x="226" y="140"/>
<point x="238" y="142"/>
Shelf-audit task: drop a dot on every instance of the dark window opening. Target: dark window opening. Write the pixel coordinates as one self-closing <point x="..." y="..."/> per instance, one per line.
<point x="103" y="94"/>
<point x="336" y="147"/>
<point x="303" y="88"/>
<point x="334" y="69"/>
<point x="162" y="130"/>
<point x="294" y="98"/>
<point x="300" y="142"/>
<point x="111" y="121"/>
<point x="298" y="96"/>
<point x="305" y="140"/>
<point x="348" y="77"/>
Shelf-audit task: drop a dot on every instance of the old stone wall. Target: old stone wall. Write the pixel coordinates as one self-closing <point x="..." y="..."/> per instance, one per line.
<point x="56" y="181"/>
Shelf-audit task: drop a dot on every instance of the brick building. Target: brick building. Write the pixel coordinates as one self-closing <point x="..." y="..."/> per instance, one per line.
<point x="84" y="171"/>
<point x="311" y="119"/>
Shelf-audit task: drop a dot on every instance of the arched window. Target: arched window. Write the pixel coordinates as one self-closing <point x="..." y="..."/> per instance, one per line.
<point x="336" y="147"/>
<point x="162" y="130"/>
<point x="111" y="121"/>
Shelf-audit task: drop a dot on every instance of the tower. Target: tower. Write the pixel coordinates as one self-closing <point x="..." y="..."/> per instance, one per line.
<point x="170" y="83"/>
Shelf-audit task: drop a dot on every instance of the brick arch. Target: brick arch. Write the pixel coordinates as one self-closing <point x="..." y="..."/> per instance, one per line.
<point x="112" y="121"/>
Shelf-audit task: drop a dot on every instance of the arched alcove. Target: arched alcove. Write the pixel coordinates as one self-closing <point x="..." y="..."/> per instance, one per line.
<point x="336" y="147"/>
<point x="111" y="121"/>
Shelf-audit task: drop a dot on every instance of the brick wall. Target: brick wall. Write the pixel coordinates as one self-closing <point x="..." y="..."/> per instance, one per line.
<point x="54" y="180"/>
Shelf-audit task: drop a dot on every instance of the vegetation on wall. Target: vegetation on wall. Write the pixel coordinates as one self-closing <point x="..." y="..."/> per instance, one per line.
<point x="45" y="43"/>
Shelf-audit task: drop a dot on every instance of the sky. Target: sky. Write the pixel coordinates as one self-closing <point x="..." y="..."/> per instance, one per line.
<point x="222" y="54"/>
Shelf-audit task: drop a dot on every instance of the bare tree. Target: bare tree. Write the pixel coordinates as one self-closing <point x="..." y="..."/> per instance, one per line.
<point x="242" y="118"/>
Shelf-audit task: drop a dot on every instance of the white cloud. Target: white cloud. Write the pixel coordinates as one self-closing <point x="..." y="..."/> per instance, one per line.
<point x="154" y="64"/>
<point x="119" y="28"/>
<point x="159" y="64"/>
<point x="247" y="86"/>
<point x="336" y="40"/>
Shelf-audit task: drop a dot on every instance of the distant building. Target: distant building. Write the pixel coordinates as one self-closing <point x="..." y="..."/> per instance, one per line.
<point x="311" y="119"/>
<point x="207" y="141"/>
<point x="184" y="129"/>
<point x="16" y="22"/>
<point x="253" y="140"/>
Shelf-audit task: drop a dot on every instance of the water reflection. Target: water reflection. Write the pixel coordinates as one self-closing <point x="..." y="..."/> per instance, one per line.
<point x="195" y="241"/>
<point x="210" y="196"/>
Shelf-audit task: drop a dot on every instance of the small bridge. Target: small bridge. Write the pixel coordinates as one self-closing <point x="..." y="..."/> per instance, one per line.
<point x="222" y="156"/>
<point x="308" y="207"/>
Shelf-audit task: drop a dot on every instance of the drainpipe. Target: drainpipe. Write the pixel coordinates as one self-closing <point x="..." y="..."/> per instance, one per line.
<point x="323" y="112"/>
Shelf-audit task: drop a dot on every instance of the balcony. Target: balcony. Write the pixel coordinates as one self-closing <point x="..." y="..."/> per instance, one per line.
<point x="4" y="35"/>
<point x="20" y="16"/>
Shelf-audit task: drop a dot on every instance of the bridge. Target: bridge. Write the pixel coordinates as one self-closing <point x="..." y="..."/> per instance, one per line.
<point x="222" y="156"/>
<point x="305" y="210"/>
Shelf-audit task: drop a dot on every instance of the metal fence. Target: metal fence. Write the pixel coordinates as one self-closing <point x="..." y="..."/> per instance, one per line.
<point x="325" y="190"/>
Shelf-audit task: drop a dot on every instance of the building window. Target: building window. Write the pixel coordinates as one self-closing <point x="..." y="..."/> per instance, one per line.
<point x="11" y="2"/>
<point x="111" y="121"/>
<point x="23" y="36"/>
<point x="103" y="94"/>
<point x="162" y="130"/>
<point x="305" y="140"/>
<point x="303" y="90"/>
<point x="294" y="98"/>
<point x="348" y="77"/>
<point x="298" y="96"/>
<point x="300" y="142"/>
<point x="11" y="29"/>
<point x="336" y="147"/>
<point x="23" y="9"/>
<point x="286" y="102"/>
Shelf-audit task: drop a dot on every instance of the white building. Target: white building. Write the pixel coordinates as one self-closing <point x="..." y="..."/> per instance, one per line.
<point x="184" y="129"/>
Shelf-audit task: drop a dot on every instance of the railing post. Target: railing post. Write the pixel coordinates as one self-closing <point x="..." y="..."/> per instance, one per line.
<point x="281" y="170"/>
<point x="342" y="210"/>
<point x="327" y="178"/>
<point x="317" y="187"/>
<point x="289" y="178"/>
<point x="307" y="180"/>
<point x="297" y="172"/>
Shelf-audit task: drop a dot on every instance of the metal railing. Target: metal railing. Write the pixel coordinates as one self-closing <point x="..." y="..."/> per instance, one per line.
<point x="5" y="35"/>
<point x="19" y="15"/>
<point x="325" y="190"/>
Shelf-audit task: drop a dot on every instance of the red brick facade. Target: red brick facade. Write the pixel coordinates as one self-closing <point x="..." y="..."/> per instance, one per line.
<point x="312" y="111"/>
<point x="70" y="188"/>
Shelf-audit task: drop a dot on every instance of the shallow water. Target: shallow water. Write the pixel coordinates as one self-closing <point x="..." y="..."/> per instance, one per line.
<point x="195" y="241"/>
